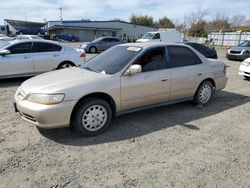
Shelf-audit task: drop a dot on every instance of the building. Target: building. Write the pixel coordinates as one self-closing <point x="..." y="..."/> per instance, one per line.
<point x="89" y="30"/>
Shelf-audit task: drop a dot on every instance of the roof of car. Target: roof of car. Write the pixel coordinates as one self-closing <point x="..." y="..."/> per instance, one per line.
<point x="32" y="40"/>
<point x="152" y="44"/>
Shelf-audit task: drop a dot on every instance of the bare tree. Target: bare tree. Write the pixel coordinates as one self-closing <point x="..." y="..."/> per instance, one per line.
<point x="196" y="17"/>
<point x="238" y="20"/>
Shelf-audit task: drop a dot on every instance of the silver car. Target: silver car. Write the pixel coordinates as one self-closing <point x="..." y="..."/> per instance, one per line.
<point x="100" y="44"/>
<point x="22" y="37"/>
<point x="240" y="52"/>
<point x="123" y="79"/>
<point x="31" y="57"/>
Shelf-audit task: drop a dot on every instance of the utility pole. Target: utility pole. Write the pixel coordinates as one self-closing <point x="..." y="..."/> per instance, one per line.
<point x="60" y="8"/>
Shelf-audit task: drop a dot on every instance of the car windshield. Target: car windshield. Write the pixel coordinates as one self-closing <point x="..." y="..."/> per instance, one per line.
<point x="112" y="60"/>
<point x="245" y="44"/>
<point x="96" y="40"/>
<point x="35" y="37"/>
<point x="3" y="44"/>
<point x="148" y="36"/>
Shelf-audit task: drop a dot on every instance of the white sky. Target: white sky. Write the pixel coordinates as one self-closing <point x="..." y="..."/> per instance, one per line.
<point x="39" y="10"/>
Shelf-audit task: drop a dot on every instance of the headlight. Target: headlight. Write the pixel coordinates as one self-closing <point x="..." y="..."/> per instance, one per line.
<point x="246" y="52"/>
<point x="46" y="98"/>
<point x="83" y="46"/>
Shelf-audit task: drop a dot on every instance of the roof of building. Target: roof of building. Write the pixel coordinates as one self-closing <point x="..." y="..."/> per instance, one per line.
<point x="82" y="27"/>
<point x="18" y="24"/>
<point x="89" y="21"/>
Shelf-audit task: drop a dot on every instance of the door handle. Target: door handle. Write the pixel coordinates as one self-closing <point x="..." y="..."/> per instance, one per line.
<point x="164" y="79"/>
<point x="200" y="74"/>
<point x="26" y="57"/>
<point x="56" y="55"/>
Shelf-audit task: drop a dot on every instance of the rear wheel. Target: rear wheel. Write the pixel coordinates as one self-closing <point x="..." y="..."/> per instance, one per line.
<point x="204" y="93"/>
<point x="92" y="116"/>
<point x="65" y="65"/>
<point x="92" y="50"/>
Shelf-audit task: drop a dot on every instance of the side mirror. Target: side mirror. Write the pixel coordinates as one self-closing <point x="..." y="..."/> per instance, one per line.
<point x="133" y="69"/>
<point x="4" y="52"/>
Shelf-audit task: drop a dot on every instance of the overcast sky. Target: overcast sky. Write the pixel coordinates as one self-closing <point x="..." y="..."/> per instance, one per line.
<point x="39" y="10"/>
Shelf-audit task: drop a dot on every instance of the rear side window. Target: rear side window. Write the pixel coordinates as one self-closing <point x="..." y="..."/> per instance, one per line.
<point x="202" y="49"/>
<point x="182" y="56"/>
<point x="152" y="60"/>
<point x="20" y="48"/>
<point x="45" y="47"/>
<point x="113" y="40"/>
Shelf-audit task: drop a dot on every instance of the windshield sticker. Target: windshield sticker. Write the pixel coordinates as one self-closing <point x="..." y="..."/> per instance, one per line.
<point x="132" y="48"/>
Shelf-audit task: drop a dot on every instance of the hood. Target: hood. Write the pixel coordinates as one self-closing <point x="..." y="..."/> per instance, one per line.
<point x="60" y="80"/>
<point x="143" y="40"/>
<point x="240" y="48"/>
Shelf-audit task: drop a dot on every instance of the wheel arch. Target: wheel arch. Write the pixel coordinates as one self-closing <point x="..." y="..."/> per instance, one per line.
<point x="99" y="95"/>
<point x="207" y="79"/>
<point x="65" y="61"/>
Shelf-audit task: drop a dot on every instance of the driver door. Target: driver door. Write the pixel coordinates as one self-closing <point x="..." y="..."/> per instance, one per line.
<point x="151" y="86"/>
<point x="18" y="62"/>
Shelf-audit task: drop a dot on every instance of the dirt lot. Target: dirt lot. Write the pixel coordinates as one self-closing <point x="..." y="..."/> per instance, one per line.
<point x="175" y="146"/>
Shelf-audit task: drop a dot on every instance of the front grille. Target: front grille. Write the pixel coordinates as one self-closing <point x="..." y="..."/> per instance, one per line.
<point x="21" y="94"/>
<point x="235" y="52"/>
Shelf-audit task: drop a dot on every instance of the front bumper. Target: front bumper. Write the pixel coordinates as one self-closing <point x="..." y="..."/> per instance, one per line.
<point x="45" y="116"/>
<point x="237" y="56"/>
<point x="244" y="70"/>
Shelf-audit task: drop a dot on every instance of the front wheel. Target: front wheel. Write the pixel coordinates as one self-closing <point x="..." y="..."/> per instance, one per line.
<point x="204" y="93"/>
<point x="92" y="116"/>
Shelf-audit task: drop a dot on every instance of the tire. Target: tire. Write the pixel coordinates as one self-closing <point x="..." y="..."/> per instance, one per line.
<point x="91" y="117"/>
<point x="92" y="50"/>
<point x="64" y="65"/>
<point x="204" y="93"/>
<point x="247" y="77"/>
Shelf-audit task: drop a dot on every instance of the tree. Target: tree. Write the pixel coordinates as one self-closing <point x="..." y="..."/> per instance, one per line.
<point x="220" y="22"/>
<point x="198" y="29"/>
<point x="165" y="23"/>
<point x="144" y="20"/>
<point x="238" y="20"/>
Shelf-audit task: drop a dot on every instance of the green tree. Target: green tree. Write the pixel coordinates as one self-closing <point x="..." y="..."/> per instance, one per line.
<point x="144" y="20"/>
<point x="198" y="29"/>
<point x="165" y="23"/>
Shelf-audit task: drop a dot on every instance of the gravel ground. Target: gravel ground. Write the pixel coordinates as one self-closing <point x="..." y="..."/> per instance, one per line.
<point x="175" y="146"/>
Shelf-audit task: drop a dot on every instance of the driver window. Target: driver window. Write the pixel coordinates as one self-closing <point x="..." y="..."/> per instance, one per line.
<point x="157" y="36"/>
<point x="152" y="60"/>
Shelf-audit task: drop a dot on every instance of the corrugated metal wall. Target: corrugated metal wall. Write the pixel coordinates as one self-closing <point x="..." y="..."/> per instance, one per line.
<point x="228" y="38"/>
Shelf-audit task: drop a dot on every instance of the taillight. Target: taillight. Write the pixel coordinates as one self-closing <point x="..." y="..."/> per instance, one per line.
<point x="83" y="55"/>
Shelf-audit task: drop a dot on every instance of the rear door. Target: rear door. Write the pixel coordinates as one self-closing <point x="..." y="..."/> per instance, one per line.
<point x="187" y="72"/>
<point x="46" y="56"/>
<point x="19" y="62"/>
<point x="151" y="86"/>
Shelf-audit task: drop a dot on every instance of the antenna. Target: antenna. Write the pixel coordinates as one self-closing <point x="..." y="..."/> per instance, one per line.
<point x="60" y="8"/>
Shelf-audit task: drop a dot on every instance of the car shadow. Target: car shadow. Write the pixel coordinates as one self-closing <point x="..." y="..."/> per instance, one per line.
<point x="137" y="124"/>
<point x="12" y="82"/>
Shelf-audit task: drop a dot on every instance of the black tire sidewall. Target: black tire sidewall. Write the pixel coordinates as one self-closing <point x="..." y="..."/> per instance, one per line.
<point x="90" y="49"/>
<point x="82" y="107"/>
<point x="197" y="98"/>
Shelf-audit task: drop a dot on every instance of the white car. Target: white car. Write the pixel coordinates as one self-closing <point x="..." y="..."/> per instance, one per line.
<point x="4" y="38"/>
<point x="22" y="37"/>
<point x="32" y="57"/>
<point x="245" y="68"/>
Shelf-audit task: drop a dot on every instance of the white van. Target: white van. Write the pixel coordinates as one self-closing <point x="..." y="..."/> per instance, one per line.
<point x="163" y="35"/>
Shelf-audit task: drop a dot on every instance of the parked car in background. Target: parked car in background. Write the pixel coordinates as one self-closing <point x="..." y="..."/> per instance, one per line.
<point x="100" y="44"/>
<point x="240" y="52"/>
<point x="21" y="37"/>
<point x="31" y="32"/>
<point x="165" y="35"/>
<point x="4" y="38"/>
<point x="204" y="50"/>
<point x="31" y="57"/>
<point x="244" y="69"/>
<point x="67" y="37"/>
<point x="125" y="78"/>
